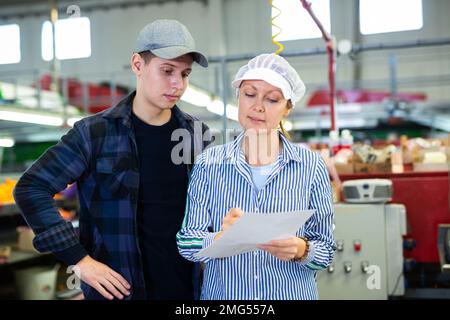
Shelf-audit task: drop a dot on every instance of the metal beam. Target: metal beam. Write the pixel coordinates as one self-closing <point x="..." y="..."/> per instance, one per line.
<point x="88" y="6"/>
<point x="357" y="48"/>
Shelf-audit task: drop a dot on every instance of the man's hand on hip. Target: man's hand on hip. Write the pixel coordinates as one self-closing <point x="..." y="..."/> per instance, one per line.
<point x="102" y="278"/>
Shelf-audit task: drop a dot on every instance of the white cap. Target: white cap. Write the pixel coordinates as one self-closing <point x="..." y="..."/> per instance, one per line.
<point x="276" y="71"/>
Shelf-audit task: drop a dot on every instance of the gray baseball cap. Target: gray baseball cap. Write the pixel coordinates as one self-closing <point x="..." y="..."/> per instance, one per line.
<point x="168" y="39"/>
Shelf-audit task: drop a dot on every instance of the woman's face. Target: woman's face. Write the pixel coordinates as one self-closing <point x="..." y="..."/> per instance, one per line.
<point x="261" y="105"/>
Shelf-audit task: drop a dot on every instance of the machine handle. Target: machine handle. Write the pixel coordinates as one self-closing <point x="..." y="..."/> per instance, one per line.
<point x="444" y="246"/>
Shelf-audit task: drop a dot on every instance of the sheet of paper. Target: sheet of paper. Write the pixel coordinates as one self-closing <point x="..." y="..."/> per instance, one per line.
<point x="253" y="229"/>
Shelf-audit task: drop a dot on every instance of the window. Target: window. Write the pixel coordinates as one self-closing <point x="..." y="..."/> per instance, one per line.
<point x="73" y="39"/>
<point x="382" y="16"/>
<point x="46" y="41"/>
<point x="296" y="23"/>
<point x="10" y="44"/>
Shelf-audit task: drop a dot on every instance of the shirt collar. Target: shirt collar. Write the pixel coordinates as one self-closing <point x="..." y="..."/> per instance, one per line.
<point x="288" y="152"/>
<point x="123" y="111"/>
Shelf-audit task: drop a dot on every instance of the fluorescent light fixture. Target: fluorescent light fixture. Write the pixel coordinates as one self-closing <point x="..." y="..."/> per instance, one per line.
<point x="71" y="121"/>
<point x="6" y="142"/>
<point x="196" y="97"/>
<point x="287" y="125"/>
<point x="31" y="118"/>
<point x="201" y="98"/>
<point x="216" y="107"/>
<point x="350" y="107"/>
<point x="26" y="97"/>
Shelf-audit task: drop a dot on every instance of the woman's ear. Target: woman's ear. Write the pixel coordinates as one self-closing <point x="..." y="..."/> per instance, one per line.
<point x="288" y="108"/>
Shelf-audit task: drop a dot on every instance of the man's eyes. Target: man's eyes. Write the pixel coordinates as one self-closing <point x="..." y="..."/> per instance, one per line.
<point x="170" y="72"/>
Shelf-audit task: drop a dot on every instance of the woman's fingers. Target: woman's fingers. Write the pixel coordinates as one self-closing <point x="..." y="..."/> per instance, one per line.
<point x="282" y="249"/>
<point x="235" y="212"/>
<point x="231" y="217"/>
<point x="283" y="243"/>
<point x="277" y="250"/>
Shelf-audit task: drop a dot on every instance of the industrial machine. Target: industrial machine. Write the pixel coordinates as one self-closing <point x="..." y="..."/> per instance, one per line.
<point x="368" y="262"/>
<point x="367" y="190"/>
<point x="426" y="245"/>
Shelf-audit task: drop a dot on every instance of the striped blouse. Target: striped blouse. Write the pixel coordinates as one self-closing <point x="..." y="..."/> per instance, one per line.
<point x="222" y="180"/>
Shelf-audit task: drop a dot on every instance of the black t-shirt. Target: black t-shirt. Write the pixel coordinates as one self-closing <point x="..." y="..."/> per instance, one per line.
<point x="161" y="205"/>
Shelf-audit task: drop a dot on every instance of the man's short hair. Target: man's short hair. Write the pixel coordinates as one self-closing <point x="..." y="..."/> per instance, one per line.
<point x="147" y="56"/>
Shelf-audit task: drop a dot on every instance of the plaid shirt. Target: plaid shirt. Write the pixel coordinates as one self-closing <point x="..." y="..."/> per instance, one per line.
<point x="100" y="154"/>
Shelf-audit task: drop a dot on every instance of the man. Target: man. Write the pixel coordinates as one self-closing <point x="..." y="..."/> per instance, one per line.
<point x="132" y="193"/>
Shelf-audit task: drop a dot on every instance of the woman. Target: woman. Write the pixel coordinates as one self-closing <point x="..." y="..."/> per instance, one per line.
<point x="260" y="172"/>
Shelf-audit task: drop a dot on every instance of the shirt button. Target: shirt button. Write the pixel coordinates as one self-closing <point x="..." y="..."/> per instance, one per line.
<point x="256" y="277"/>
<point x="255" y="253"/>
<point x="256" y="298"/>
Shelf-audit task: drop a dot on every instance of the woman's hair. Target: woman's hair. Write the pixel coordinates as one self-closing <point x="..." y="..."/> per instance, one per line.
<point x="283" y="131"/>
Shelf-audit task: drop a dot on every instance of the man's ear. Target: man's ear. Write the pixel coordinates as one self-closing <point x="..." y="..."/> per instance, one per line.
<point x="136" y="63"/>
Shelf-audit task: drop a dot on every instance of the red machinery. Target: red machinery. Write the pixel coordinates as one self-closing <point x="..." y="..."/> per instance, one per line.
<point x="322" y="97"/>
<point x="426" y="198"/>
<point x="99" y="95"/>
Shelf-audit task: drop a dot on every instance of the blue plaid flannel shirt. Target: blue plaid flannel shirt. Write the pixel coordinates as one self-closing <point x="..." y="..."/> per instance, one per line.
<point x="99" y="153"/>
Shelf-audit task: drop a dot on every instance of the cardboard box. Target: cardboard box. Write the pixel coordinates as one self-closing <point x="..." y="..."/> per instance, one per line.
<point x="430" y="167"/>
<point x="385" y="167"/>
<point x="346" y="168"/>
<point x="25" y="238"/>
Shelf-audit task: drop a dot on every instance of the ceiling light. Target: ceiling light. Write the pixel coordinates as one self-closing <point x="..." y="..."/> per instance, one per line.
<point x="216" y="107"/>
<point x="31" y="118"/>
<point x="196" y="97"/>
<point x="6" y="142"/>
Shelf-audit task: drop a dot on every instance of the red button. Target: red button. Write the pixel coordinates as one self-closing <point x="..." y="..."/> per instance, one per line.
<point x="357" y="246"/>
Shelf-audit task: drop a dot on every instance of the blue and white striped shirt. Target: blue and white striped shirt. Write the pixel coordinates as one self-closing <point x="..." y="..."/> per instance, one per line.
<point x="222" y="180"/>
<point x="261" y="174"/>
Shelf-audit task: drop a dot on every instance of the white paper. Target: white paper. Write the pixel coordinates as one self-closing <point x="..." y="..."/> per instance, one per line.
<point x="253" y="229"/>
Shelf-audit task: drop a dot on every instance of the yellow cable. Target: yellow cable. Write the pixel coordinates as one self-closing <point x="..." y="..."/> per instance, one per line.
<point x="279" y="45"/>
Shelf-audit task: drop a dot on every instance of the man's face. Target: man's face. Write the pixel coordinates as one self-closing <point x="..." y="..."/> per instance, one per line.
<point x="162" y="82"/>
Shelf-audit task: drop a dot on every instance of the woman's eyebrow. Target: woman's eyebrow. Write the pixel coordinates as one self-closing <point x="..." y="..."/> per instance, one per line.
<point x="253" y="87"/>
<point x="249" y="85"/>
